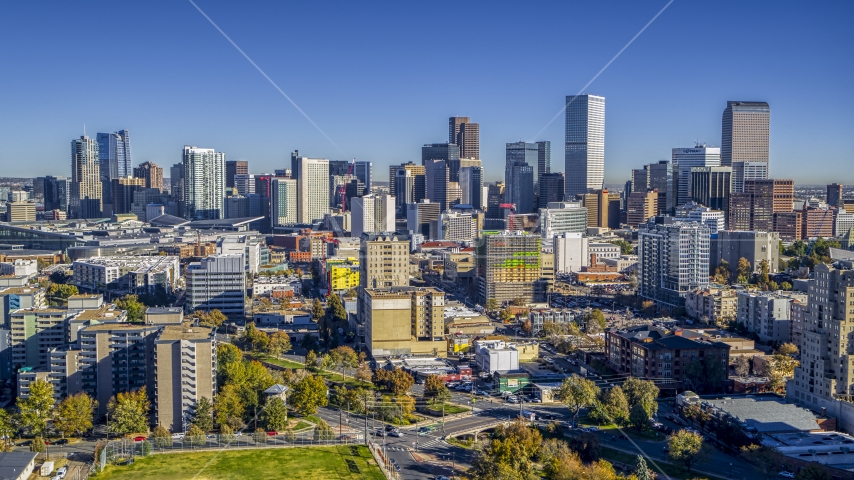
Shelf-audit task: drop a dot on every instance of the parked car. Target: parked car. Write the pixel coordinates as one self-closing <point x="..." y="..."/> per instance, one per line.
<point x="272" y="433"/>
<point x="389" y="428"/>
<point x="379" y="433"/>
<point x="61" y="441"/>
<point x="177" y="436"/>
<point x="396" y="433"/>
<point x="786" y="474"/>
<point x="140" y="438"/>
<point x="62" y="472"/>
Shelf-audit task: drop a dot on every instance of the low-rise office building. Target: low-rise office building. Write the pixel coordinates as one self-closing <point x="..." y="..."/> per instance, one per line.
<point x="403" y="320"/>
<point x="217" y="282"/>
<point x="127" y="274"/>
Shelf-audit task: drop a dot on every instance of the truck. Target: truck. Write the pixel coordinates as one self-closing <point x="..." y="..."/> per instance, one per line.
<point x="47" y="469"/>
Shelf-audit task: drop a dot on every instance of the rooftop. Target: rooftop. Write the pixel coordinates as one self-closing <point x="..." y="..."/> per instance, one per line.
<point x="105" y="313"/>
<point x="766" y="414"/>
<point x="106" y="327"/>
<point x="13" y="463"/>
<point x="184" y="332"/>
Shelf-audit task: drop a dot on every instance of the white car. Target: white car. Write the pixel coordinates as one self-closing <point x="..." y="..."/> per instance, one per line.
<point x="786" y="474"/>
<point x="177" y="436"/>
<point x="62" y="472"/>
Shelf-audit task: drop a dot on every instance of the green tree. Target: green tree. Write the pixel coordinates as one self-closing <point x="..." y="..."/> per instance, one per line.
<point x="195" y="436"/>
<point x="491" y="305"/>
<point x="203" y="418"/>
<point x="685" y="448"/>
<point x="616" y="405"/>
<point x="813" y="472"/>
<point x="744" y="270"/>
<point x="74" y="414"/>
<point x="764" y="270"/>
<point x="641" y="471"/>
<point x="638" y="417"/>
<point x="228" y="404"/>
<point x="626" y="248"/>
<point x="435" y="390"/>
<point x="694" y="375"/>
<point x="308" y="395"/>
<point x="7" y="428"/>
<point x="129" y="412"/>
<point x="335" y="309"/>
<point x="275" y="414"/>
<point x="322" y="431"/>
<point x="134" y="308"/>
<point x="311" y="360"/>
<point x="38" y="445"/>
<point x="316" y="310"/>
<point x="510" y="454"/>
<point x="587" y="446"/>
<point x="786" y="286"/>
<point x="714" y="374"/>
<point x="58" y="294"/>
<point x="226" y="354"/>
<point x="161" y="437"/>
<point x="35" y="410"/>
<point x="214" y="318"/>
<point x="642" y="392"/>
<point x="596" y="319"/>
<point x="577" y="393"/>
<point x="226" y="434"/>
<point x="254" y="339"/>
<point x="279" y="343"/>
<point x="344" y="357"/>
<point x="259" y="436"/>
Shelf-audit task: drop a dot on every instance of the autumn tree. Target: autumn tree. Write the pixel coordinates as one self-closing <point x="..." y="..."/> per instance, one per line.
<point x="195" y="436"/>
<point x="203" y="417"/>
<point x="134" y="308"/>
<point x="57" y="294"/>
<point x="643" y="392"/>
<point x="228" y="405"/>
<point x="254" y="339"/>
<point x="648" y="307"/>
<point x="577" y="393"/>
<point x="129" y="412"/>
<point x="161" y="437"/>
<point x="279" y="343"/>
<point x="214" y="318"/>
<point x="787" y="349"/>
<point x="744" y="270"/>
<point x="685" y="448"/>
<point x="74" y="414"/>
<point x="35" y="410"/>
<point x="308" y="395"/>
<point x="509" y="455"/>
<point x="344" y="357"/>
<point x="435" y="390"/>
<point x="742" y="365"/>
<point x="363" y="371"/>
<point x="322" y="431"/>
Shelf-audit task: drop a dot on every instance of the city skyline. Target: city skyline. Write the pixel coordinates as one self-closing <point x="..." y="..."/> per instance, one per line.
<point x="240" y="114"/>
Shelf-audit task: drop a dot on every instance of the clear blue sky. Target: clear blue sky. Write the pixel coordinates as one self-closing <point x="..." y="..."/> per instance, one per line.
<point x="381" y="79"/>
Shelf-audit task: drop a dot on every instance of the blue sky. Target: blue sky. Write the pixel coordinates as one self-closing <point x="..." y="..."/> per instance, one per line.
<point x="381" y="78"/>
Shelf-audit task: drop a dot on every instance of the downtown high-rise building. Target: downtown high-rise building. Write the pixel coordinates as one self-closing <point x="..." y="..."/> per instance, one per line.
<point x="509" y="267"/>
<point x="152" y="174"/>
<point x="834" y="195"/>
<point x="585" y="144"/>
<point x="235" y="167"/>
<point x="449" y="152"/>
<point x="204" y="183"/>
<point x="176" y="181"/>
<point x="656" y="176"/>
<point x="544" y="158"/>
<point x="551" y="187"/>
<point x="465" y="135"/>
<point x="364" y="172"/>
<point x="436" y="174"/>
<point x="519" y="175"/>
<point x="471" y="187"/>
<point x="86" y="195"/>
<point x="372" y="213"/>
<point x="745" y="140"/>
<point x="115" y="159"/>
<point x="283" y="201"/>
<point x="312" y="175"/>
<point x="684" y="159"/>
<point x="711" y="187"/>
<point x="673" y="259"/>
<point x="408" y="184"/>
<point x="756" y="207"/>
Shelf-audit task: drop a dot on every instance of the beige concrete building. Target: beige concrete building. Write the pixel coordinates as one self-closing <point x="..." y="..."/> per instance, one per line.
<point x="641" y="206"/>
<point x="184" y="372"/>
<point x="403" y="320"/>
<point x="716" y="304"/>
<point x="384" y="260"/>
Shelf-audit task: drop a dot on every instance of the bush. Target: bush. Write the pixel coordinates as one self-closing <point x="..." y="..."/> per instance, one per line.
<point x="145" y="447"/>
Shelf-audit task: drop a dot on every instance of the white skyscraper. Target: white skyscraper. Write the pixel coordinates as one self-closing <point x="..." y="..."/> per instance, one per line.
<point x="312" y="176"/>
<point x="283" y="201"/>
<point x="673" y="259"/>
<point x="204" y="183"/>
<point x="372" y="213"/>
<point x="686" y="158"/>
<point x="585" y="144"/>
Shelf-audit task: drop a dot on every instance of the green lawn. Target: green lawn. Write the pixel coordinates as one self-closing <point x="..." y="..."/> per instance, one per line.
<point x="292" y="463"/>
<point x="450" y="409"/>
<point x="669" y="469"/>
<point x="282" y="362"/>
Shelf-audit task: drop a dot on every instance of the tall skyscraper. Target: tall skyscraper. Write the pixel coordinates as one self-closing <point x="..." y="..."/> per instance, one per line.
<point x="204" y="183"/>
<point x="544" y="158"/>
<point x="55" y="193"/>
<point x="711" y="186"/>
<point x="834" y="195"/>
<point x="745" y="138"/>
<point x="684" y="159"/>
<point x="471" y="186"/>
<point x="176" y="181"/>
<point x="673" y="259"/>
<point x="494" y="199"/>
<point x="312" y="176"/>
<point x="364" y="172"/>
<point x="519" y="175"/>
<point x="509" y="266"/>
<point x="551" y="187"/>
<point x="402" y="192"/>
<point x="585" y="144"/>
<point x="449" y="152"/>
<point x="86" y="187"/>
<point x="436" y="174"/>
<point x="284" y="201"/>
<point x="465" y="135"/>
<point x="235" y="167"/>
<point x="115" y="159"/>
<point x="152" y="174"/>
<point x="755" y="208"/>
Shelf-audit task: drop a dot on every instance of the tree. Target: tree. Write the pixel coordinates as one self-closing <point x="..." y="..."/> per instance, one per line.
<point x="214" y="318"/>
<point x="38" y="445"/>
<point x="616" y="405"/>
<point x="254" y="339"/>
<point x="491" y="305"/>
<point x="744" y="270"/>
<point x="528" y="327"/>
<point x="685" y="448"/>
<point x="203" y="418"/>
<point x="435" y="390"/>
<point x="316" y="310"/>
<point x="259" y="436"/>
<point x="275" y="414"/>
<point x="786" y="286"/>
<point x="723" y="273"/>
<point x="641" y="471"/>
<point x="642" y="392"/>
<point x="344" y="357"/>
<point x="626" y="248"/>
<point x="37" y="408"/>
<point x="742" y="366"/>
<point x="134" y="308"/>
<point x="322" y="431"/>
<point x="129" y="412"/>
<point x="397" y="381"/>
<point x="714" y="373"/>
<point x="363" y="372"/>
<point x="648" y="307"/>
<point x="510" y="454"/>
<point x="595" y="318"/>
<point x="577" y="393"/>
<point x="694" y="375"/>
<point x="311" y="360"/>
<point x="638" y="417"/>
<point x="813" y="472"/>
<point x="764" y="269"/>
<point x="161" y="437"/>
<point x="228" y="404"/>
<point x="226" y="434"/>
<point x="279" y="343"/>
<point x="58" y="294"/>
<point x="765" y="459"/>
<point x="308" y="394"/>
<point x="787" y="349"/>
<point x="7" y="428"/>
<point x="74" y="414"/>
<point x="587" y="446"/>
<point x="195" y="436"/>
<point x="335" y="309"/>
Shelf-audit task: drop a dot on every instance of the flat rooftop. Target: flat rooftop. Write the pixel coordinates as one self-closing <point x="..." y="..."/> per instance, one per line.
<point x="106" y="327"/>
<point x="834" y="449"/>
<point x="184" y="332"/>
<point x="106" y="312"/>
<point x="766" y="414"/>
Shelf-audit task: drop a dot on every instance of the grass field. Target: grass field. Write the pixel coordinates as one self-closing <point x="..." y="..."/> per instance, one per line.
<point x="343" y="462"/>
<point x="669" y="469"/>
